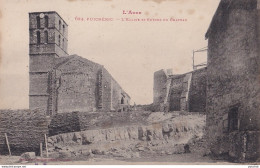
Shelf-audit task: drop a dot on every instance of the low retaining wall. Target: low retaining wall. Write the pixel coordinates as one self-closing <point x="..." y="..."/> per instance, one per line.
<point x="174" y="131"/>
<point x="80" y="121"/>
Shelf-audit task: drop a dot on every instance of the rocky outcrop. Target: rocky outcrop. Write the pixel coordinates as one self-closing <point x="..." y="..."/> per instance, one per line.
<point x="168" y="137"/>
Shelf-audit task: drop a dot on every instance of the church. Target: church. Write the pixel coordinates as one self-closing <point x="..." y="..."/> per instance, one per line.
<point x="60" y="82"/>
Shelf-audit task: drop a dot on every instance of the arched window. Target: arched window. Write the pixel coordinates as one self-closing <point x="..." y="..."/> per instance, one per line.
<point x="38" y="20"/>
<point x="63" y="29"/>
<point x="59" y="41"/>
<point x="45" y="37"/>
<point x="63" y="44"/>
<point x="59" y="25"/>
<point x="46" y="18"/>
<point x="38" y="37"/>
<point x="122" y="101"/>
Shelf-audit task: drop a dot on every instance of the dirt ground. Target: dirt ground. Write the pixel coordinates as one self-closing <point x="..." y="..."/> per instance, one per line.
<point x="179" y="159"/>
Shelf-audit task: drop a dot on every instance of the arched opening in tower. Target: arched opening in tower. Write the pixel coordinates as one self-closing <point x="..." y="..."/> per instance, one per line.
<point x="46" y="18"/>
<point x="38" y="37"/>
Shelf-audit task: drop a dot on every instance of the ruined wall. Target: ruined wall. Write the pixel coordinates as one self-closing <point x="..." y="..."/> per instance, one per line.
<point x="77" y="87"/>
<point x="159" y="87"/>
<point x="185" y="92"/>
<point x="188" y="91"/>
<point x="25" y="130"/>
<point x="197" y="91"/>
<point x="233" y="81"/>
<point x="175" y="93"/>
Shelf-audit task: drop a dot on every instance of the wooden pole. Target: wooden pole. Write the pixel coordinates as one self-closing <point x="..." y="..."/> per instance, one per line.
<point x="41" y="149"/>
<point x="193" y="59"/>
<point x="46" y="144"/>
<point x="8" y="144"/>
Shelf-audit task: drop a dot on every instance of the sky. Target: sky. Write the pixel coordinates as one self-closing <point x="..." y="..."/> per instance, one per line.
<point x="130" y="50"/>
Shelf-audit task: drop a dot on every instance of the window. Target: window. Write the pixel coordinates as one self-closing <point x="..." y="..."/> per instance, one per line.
<point x="38" y="37"/>
<point x="233" y="119"/>
<point x="122" y="101"/>
<point x="38" y="20"/>
<point x="63" y="43"/>
<point x="46" y="18"/>
<point x="63" y="29"/>
<point x="59" y="25"/>
<point x="59" y="40"/>
<point x="45" y="37"/>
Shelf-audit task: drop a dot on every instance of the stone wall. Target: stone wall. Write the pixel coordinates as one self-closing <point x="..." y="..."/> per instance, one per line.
<point x="159" y="87"/>
<point x="83" y="85"/>
<point x="107" y="88"/>
<point x="61" y="83"/>
<point x="185" y="92"/>
<point x="176" y="92"/>
<point x="77" y="87"/>
<point x="116" y="95"/>
<point x="25" y="130"/>
<point x="36" y="62"/>
<point x="80" y="121"/>
<point x="52" y="44"/>
<point x="54" y="30"/>
<point x="197" y="91"/>
<point x="113" y="93"/>
<point x="233" y="81"/>
<point x="76" y="84"/>
<point x="163" y="132"/>
<point x="64" y="122"/>
<point x="40" y="102"/>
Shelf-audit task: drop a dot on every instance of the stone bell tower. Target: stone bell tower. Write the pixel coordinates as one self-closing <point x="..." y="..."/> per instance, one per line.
<point x="48" y="41"/>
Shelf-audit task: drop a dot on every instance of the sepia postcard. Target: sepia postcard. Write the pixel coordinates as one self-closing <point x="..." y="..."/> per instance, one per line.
<point x="120" y="82"/>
